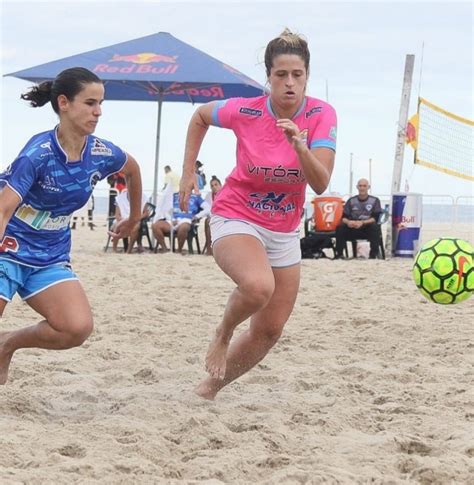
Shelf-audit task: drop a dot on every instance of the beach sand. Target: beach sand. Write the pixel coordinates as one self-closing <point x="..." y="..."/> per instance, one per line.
<point x="370" y="383"/>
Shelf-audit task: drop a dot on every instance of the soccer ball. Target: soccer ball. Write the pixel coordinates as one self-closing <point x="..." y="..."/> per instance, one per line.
<point x="444" y="271"/>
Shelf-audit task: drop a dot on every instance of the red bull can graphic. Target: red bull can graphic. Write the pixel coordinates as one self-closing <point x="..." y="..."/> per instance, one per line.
<point x="407" y="210"/>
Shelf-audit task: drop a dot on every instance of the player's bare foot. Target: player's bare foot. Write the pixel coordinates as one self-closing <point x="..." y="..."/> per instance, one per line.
<point x="216" y="357"/>
<point x="205" y="390"/>
<point x="5" y="358"/>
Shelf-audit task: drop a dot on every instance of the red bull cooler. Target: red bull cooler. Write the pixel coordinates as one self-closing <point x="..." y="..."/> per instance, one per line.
<point x="407" y="210"/>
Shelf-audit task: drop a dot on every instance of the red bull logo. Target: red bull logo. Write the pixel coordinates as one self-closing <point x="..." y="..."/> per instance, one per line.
<point x="144" y="58"/>
<point x="143" y="62"/>
<point x="403" y="220"/>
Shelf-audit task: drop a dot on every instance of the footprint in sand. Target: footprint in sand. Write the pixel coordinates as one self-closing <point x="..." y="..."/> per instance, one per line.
<point x="72" y="451"/>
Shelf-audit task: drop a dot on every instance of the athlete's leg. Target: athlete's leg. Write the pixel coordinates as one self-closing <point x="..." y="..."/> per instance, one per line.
<point x="243" y="258"/>
<point x="67" y="323"/>
<point x="265" y="329"/>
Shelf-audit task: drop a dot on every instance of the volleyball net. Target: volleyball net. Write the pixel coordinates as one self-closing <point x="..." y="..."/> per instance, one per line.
<point x="442" y="140"/>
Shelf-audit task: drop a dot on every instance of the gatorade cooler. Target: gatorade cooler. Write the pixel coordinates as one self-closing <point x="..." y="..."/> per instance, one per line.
<point x="407" y="210"/>
<point x="327" y="213"/>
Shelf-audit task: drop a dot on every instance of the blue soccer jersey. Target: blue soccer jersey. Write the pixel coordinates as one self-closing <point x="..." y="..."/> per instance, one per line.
<point x="51" y="188"/>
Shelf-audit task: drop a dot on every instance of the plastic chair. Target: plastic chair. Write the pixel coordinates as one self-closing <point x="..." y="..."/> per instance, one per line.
<point x="144" y="230"/>
<point x="193" y="236"/>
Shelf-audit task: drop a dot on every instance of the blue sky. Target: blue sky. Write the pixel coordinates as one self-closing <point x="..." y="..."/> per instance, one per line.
<point x="358" y="51"/>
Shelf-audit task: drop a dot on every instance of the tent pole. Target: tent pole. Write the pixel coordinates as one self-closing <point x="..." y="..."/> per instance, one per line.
<point x="157" y="149"/>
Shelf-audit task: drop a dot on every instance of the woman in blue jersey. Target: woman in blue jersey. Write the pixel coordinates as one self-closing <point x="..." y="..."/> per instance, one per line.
<point x="52" y="177"/>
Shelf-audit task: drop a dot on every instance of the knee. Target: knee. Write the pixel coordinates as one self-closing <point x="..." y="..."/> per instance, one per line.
<point x="258" y="290"/>
<point x="77" y="333"/>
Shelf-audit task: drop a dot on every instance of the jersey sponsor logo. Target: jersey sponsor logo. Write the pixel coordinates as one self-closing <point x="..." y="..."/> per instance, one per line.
<point x="9" y="244"/>
<point x="250" y="111"/>
<point x="333" y="132"/>
<point x="49" y="152"/>
<point x="94" y="178"/>
<point x="277" y="174"/>
<point x="49" y="184"/>
<point x="41" y="220"/>
<point x="99" y="148"/>
<point x="270" y="202"/>
<point x="312" y="111"/>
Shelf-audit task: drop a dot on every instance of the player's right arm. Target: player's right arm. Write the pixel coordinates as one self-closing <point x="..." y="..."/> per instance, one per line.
<point x="197" y="129"/>
<point x="9" y="201"/>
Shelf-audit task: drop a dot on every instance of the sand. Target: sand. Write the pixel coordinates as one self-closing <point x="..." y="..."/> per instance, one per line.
<point x="370" y="383"/>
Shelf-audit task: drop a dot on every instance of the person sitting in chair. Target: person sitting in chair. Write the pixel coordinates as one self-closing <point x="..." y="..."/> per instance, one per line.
<point x="178" y="221"/>
<point x="359" y="220"/>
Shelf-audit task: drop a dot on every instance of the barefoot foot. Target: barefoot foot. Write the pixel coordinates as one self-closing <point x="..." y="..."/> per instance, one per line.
<point x="206" y="391"/>
<point x="5" y="358"/>
<point x="216" y="357"/>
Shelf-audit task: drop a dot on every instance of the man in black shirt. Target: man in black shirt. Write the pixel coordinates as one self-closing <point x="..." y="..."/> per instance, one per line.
<point x="359" y="220"/>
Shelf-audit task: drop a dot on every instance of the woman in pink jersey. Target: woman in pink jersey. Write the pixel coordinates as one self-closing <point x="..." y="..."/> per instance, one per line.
<point x="285" y="141"/>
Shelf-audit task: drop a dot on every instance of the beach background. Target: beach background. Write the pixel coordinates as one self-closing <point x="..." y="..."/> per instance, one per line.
<point x="370" y="383"/>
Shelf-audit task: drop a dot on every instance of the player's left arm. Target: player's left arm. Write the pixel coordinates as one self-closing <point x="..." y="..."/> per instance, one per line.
<point x="131" y="170"/>
<point x="317" y="154"/>
<point x="9" y="201"/>
<point x="317" y="165"/>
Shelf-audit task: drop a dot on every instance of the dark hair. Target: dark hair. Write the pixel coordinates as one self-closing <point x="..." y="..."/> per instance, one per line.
<point x="214" y="178"/>
<point x="286" y="43"/>
<point x="68" y="82"/>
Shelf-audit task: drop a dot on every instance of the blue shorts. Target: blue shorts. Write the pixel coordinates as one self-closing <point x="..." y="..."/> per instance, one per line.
<point x="28" y="281"/>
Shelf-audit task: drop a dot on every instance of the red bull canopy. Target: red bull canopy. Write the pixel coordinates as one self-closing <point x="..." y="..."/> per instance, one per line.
<point x="158" y="64"/>
<point x="158" y="67"/>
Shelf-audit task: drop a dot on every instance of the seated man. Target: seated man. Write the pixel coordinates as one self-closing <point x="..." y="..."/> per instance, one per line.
<point x="178" y="221"/>
<point x="122" y="211"/>
<point x="359" y="220"/>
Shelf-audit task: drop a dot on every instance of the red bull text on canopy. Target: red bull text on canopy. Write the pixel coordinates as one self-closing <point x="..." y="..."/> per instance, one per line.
<point x="143" y="62"/>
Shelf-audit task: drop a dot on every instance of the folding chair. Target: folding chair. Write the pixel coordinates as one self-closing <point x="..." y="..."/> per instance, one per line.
<point x="193" y="235"/>
<point x="144" y="230"/>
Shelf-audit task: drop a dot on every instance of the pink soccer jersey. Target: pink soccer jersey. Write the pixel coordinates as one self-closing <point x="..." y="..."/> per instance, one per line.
<point x="267" y="185"/>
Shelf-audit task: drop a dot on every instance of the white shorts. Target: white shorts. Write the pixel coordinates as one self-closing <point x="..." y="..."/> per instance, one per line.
<point x="178" y="222"/>
<point x="282" y="248"/>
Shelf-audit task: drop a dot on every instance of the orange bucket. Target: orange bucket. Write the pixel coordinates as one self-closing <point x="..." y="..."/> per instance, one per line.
<point x="327" y="213"/>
